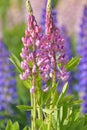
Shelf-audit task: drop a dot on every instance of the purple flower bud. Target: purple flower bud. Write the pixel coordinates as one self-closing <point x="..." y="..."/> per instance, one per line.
<point x="24" y="65"/>
<point x="34" y="69"/>
<point x="45" y="89"/>
<point x="32" y="90"/>
<point x="63" y="74"/>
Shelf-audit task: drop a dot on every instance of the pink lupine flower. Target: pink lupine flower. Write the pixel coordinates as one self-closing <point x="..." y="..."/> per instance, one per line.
<point x="32" y="90"/>
<point x="63" y="74"/>
<point x="52" y="51"/>
<point x="45" y="52"/>
<point x="31" y="39"/>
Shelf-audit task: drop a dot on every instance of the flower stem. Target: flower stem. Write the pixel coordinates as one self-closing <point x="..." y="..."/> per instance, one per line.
<point x="34" y="84"/>
<point x="34" y="108"/>
<point x="54" y="71"/>
<point x="31" y="112"/>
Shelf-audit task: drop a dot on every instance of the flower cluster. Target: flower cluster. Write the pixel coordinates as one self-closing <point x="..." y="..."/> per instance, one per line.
<point x="57" y="51"/>
<point x="43" y="51"/>
<point x="31" y="41"/>
<point x="7" y="80"/>
<point x="82" y="68"/>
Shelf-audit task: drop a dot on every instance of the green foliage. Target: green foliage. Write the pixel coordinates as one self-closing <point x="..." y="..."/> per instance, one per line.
<point x="26" y="128"/>
<point x="72" y="63"/>
<point x="19" y="116"/>
<point x="24" y="107"/>
<point x="11" y="126"/>
<point x="64" y="112"/>
<point x="63" y="93"/>
<point x="14" y="126"/>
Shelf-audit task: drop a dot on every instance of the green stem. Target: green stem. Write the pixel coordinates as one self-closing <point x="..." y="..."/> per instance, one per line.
<point x="39" y="113"/>
<point x="34" y="84"/>
<point x="31" y="112"/>
<point x="50" y="122"/>
<point x="52" y="94"/>
<point x="58" y="120"/>
<point x="34" y="112"/>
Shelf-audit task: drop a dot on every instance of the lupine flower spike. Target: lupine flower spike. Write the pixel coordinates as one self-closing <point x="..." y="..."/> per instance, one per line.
<point x="82" y="68"/>
<point x="31" y="41"/>
<point x="56" y="47"/>
<point x="8" y="93"/>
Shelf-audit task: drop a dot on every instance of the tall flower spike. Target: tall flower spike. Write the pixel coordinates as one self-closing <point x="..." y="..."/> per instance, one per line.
<point x="56" y="43"/>
<point x="31" y="43"/>
<point x="82" y="68"/>
<point x="8" y="93"/>
<point x="52" y="51"/>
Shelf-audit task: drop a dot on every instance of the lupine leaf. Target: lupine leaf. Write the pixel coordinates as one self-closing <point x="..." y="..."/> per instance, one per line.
<point x="39" y="123"/>
<point x="24" y="107"/>
<point x="27" y="84"/>
<point x="15" y="126"/>
<point x="55" y="98"/>
<point x="9" y="125"/>
<point x="48" y="111"/>
<point x="81" y="123"/>
<point x="63" y="93"/>
<point x="16" y="62"/>
<point x="76" y="102"/>
<point x="72" y="63"/>
<point x="26" y="128"/>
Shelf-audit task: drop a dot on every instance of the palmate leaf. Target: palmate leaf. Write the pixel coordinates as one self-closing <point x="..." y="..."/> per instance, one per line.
<point x="9" y="125"/>
<point x="72" y="63"/>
